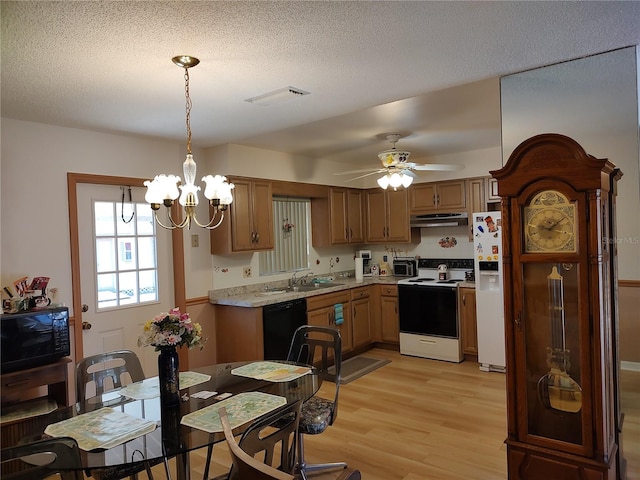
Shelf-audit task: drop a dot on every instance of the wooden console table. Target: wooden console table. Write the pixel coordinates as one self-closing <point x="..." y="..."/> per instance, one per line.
<point x="21" y="387"/>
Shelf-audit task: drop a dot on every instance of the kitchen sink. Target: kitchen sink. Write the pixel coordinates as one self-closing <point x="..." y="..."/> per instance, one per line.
<point x="273" y="292"/>
<point x="311" y="287"/>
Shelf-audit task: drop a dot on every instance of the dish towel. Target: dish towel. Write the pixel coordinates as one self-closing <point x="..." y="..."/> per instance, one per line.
<point x="338" y="314"/>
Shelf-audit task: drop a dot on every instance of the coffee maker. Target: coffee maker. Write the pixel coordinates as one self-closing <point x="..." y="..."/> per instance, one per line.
<point x="365" y="255"/>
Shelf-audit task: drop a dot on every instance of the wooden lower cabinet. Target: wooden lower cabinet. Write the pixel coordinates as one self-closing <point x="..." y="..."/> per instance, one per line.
<point x="361" y="328"/>
<point x="321" y="311"/>
<point x="468" y="323"/>
<point x="389" y="319"/>
<point x="239" y="335"/>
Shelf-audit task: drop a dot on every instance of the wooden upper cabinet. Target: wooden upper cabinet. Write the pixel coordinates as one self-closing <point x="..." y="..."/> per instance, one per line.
<point x="338" y="223"/>
<point x="250" y="223"/>
<point x="437" y="197"/>
<point x="492" y="190"/>
<point x="337" y="219"/>
<point x="387" y="213"/>
<point x="355" y="217"/>
<point x="375" y="210"/>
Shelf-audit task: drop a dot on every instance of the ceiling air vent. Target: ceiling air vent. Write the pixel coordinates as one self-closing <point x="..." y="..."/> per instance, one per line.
<point x="277" y="96"/>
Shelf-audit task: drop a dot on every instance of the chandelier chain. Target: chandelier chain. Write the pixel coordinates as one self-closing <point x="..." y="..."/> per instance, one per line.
<point x="187" y="108"/>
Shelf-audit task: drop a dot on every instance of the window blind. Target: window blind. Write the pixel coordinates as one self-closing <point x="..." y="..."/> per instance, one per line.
<point x="291" y="237"/>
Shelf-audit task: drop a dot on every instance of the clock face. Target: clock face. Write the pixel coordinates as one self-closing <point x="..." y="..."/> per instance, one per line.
<point x="549" y="224"/>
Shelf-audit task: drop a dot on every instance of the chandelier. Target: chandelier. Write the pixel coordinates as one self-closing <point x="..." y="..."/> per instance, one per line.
<point x="165" y="189"/>
<point x="395" y="161"/>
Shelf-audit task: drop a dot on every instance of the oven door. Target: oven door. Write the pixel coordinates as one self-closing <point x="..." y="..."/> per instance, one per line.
<point x="429" y="310"/>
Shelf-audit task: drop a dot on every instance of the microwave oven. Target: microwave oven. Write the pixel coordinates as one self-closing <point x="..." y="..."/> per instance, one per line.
<point x="31" y="339"/>
<point x="404" y="268"/>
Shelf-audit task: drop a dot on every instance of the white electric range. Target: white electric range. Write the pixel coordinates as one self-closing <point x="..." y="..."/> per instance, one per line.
<point x="428" y="310"/>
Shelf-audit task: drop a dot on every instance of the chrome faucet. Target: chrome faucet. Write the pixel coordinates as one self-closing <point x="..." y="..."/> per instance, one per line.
<point x="295" y="280"/>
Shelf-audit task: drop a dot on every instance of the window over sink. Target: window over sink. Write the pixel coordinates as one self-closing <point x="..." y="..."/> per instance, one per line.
<point x="291" y="219"/>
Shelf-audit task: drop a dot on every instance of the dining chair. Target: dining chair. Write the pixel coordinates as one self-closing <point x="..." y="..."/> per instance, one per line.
<point x="246" y="467"/>
<point x="108" y="371"/>
<point x="41" y="459"/>
<point x="274" y="435"/>
<point x="308" y="344"/>
<point x="100" y="374"/>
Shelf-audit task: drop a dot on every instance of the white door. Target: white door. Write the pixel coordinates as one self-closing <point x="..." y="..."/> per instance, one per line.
<point x="124" y="281"/>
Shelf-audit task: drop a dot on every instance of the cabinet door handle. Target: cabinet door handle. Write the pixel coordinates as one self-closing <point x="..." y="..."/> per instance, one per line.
<point x="438" y="199"/>
<point x="16" y="384"/>
<point x="350" y="233"/>
<point x="518" y="321"/>
<point x="257" y="237"/>
<point x="464" y="300"/>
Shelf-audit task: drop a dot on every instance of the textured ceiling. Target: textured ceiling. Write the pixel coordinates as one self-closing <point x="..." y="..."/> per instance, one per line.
<point x="428" y="70"/>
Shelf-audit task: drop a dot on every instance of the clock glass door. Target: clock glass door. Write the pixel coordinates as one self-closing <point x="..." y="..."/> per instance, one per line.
<point x="554" y="394"/>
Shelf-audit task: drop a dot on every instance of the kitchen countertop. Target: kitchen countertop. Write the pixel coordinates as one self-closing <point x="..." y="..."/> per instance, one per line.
<point x="241" y="297"/>
<point x="256" y="296"/>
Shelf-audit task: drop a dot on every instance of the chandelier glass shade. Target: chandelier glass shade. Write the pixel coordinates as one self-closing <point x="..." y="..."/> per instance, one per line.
<point x="165" y="189"/>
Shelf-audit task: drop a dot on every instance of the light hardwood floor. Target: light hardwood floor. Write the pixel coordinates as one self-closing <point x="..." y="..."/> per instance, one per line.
<point x="418" y="419"/>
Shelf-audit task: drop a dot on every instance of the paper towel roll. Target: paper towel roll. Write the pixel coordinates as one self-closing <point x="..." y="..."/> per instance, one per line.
<point x="359" y="268"/>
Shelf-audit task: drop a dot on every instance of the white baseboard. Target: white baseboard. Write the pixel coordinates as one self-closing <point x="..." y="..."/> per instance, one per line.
<point x="631" y="366"/>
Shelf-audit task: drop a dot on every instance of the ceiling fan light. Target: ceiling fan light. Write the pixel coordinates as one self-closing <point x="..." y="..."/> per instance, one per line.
<point x="383" y="182"/>
<point x="406" y="180"/>
<point x="395" y="180"/>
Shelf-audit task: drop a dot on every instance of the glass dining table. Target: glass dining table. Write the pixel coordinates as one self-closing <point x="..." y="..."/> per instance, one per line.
<point x="175" y="431"/>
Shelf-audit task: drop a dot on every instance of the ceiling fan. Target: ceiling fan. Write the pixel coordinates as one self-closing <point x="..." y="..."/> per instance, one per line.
<point x="395" y="167"/>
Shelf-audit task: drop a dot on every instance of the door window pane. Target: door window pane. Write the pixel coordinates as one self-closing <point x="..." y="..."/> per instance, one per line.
<point x="126" y="261"/>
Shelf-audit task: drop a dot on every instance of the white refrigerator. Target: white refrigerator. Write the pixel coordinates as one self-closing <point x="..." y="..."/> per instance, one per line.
<point x="487" y="243"/>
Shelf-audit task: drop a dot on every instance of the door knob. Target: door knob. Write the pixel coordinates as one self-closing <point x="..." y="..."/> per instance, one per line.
<point x="86" y="326"/>
<point x="85" y="307"/>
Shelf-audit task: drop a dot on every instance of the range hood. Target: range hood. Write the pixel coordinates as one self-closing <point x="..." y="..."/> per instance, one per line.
<point x="439" y="220"/>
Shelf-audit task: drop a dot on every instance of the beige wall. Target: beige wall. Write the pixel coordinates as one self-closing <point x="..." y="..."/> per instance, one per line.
<point x="628" y="301"/>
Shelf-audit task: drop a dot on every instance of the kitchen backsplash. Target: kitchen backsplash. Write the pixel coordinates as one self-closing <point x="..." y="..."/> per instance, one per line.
<point x="437" y="242"/>
<point x="239" y="270"/>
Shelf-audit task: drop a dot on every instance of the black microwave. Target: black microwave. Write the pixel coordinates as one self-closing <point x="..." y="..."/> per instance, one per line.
<point x="31" y="339"/>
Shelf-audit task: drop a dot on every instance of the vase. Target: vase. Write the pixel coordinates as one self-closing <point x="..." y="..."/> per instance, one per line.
<point x="168" y="377"/>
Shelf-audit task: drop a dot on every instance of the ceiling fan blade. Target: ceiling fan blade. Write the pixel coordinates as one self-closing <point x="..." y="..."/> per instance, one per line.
<point x="351" y="172"/>
<point x="366" y="175"/>
<point x="441" y="167"/>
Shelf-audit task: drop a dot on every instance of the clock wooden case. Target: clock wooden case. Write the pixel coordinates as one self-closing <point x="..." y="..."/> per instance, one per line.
<point x="559" y="274"/>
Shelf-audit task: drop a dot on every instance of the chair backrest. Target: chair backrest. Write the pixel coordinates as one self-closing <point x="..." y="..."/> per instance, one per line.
<point x="312" y="342"/>
<point x="274" y="433"/>
<point x="244" y="465"/>
<point x="38" y="460"/>
<point x="101" y="373"/>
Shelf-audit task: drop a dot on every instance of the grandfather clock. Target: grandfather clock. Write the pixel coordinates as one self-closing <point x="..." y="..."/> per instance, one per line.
<point x="557" y="216"/>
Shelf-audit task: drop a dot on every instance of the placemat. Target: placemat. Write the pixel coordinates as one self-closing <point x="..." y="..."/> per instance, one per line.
<point x="241" y="409"/>
<point x="104" y="428"/>
<point x="148" y="388"/>
<point x="271" y="371"/>
<point x="29" y="409"/>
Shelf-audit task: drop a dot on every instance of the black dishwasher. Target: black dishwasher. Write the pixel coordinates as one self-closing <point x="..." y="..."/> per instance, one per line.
<point x="279" y="321"/>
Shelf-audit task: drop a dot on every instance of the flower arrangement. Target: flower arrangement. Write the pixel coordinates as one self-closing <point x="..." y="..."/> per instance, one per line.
<point x="172" y="329"/>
